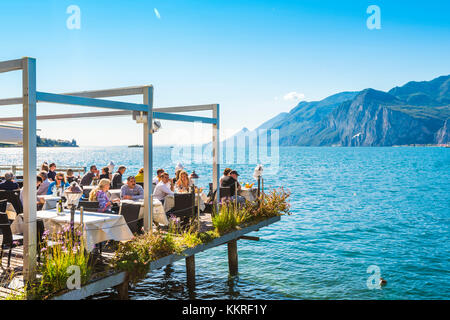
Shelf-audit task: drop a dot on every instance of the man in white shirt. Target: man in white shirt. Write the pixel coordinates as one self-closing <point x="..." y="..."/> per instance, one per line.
<point x="162" y="188"/>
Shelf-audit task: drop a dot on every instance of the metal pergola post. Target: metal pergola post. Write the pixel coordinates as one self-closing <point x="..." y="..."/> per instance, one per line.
<point x="148" y="161"/>
<point x="29" y="168"/>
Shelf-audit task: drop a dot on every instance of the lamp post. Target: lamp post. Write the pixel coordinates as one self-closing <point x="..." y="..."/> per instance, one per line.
<point x="257" y="174"/>
<point x="73" y="195"/>
<point x="194" y="178"/>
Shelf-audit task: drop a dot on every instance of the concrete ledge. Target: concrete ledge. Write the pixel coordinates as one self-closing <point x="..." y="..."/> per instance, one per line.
<point x="93" y="288"/>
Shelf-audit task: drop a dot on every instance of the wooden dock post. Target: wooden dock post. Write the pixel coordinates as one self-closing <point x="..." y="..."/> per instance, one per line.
<point x="190" y="271"/>
<point x="122" y="289"/>
<point x="233" y="258"/>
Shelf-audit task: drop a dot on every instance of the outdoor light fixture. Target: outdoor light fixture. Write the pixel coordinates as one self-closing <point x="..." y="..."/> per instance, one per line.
<point x="156" y="126"/>
<point x="194" y="178"/>
<point x="73" y="195"/>
<point x="257" y="174"/>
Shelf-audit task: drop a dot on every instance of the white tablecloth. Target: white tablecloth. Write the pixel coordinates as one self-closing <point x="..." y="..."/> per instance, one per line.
<point x="98" y="227"/>
<point x="169" y="202"/>
<point x="249" y="194"/>
<point x="114" y="194"/>
<point x="50" y="201"/>
<point x="159" y="215"/>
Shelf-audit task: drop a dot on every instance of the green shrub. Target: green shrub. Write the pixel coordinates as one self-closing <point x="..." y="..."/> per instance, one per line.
<point x="67" y="250"/>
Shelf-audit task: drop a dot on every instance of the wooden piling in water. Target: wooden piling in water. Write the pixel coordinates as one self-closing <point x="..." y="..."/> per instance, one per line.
<point x="122" y="290"/>
<point x="190" y="271"/>
<point x="233" y="258"/>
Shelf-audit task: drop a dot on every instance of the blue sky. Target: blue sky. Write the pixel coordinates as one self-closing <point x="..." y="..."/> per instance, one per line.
<point x="245" y="55"/>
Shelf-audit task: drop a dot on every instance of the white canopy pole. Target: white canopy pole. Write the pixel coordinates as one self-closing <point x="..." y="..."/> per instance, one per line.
<point x="29" y="169"/>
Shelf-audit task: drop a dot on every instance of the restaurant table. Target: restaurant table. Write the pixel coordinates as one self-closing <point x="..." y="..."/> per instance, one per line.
<point x="169" y="202"/>
<point x="250" y="194"/>
<point x="98" y="227"/>
<point x="50" y="201"/>
<point x="114" y="194"/>
<point x="159" y="215"/>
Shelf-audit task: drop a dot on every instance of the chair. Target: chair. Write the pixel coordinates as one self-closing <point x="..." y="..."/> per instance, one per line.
<point x="184" y="207"/>
<point x="225" y="192"/>
<point x="130" y="212"/>
<point x="10" y="240"/>
<point x="86" y="193"/>
<point x="14" y="198"/>
<point x="3" y="204"/>
<point x="89" y="206"/>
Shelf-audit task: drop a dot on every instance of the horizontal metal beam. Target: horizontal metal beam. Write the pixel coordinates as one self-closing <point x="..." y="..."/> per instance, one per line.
<point x="118" y="92"/>
<point x="205" y="107"/>
<point x="73" y="116"/>
<point x="11" y="101"/>
<point x="89" y="102"/>
<point x="11" y="65"/>
<point x="179" y="117"/>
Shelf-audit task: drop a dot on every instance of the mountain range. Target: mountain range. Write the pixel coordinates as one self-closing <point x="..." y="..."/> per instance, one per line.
<point x="416" y="113"/>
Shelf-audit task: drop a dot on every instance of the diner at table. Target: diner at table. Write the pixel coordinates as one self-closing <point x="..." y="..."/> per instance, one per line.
<point x="140" y="176"/>
<point x="116" y="182"/>
<point x="43" y="187"/>
<point x="90" y="176"/>
<point x="163" y="188"/>
<point x="100" y="194"/>
<point x="58" y="184"/>
<point x="183" y="184"/>
<point x="131" y="190"/>
<point x="52" y="172"/>
<point x="231" y="181"/>
<point x="157" y="178"/>
<point x="9" y="183"/>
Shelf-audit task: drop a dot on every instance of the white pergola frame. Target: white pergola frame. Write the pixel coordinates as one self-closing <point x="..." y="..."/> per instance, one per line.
<point x="144" y="113"/>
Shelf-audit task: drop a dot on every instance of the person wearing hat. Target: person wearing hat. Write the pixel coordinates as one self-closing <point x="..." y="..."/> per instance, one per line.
<point x="9" y="184"/>
<point x="231" y="182"/>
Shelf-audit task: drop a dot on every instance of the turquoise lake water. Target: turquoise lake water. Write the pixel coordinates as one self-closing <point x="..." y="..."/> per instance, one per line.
<point x="351" y="208"/>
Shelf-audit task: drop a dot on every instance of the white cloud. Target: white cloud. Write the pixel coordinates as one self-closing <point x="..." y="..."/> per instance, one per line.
<point x="157" y="13"/>
<point x="294" y="96"/>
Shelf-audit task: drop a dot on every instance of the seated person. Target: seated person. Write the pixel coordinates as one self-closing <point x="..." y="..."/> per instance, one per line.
<point x="105" y="174"/>
<point x="116" y="182"/>
<point x="182" y="185"/>
<point x="140" y="176"/>
<point x="162" y="189"/>
<point x="131" y="190"/>
<point x="157" y="179"/>
<point x="9" y="184"/>
<point x="100" y="194"/>
<point x="226" y="172"/>
<point x="52" y="172"/>
<point x="70" y="177"/>
<point x="231" y="182"/>
<point x="60" y="182"/>
<point x="88" y="177"/>
<point x="43" y="188"/>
